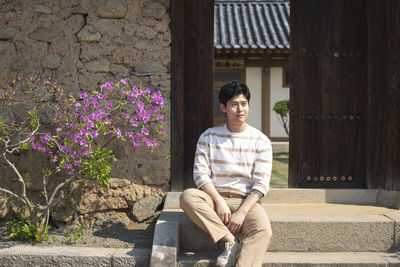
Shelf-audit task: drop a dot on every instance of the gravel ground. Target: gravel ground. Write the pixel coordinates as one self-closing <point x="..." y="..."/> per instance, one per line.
<point x="112" y="237"/>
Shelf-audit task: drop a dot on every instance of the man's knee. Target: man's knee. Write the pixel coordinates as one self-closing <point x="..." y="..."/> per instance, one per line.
<point x="187" y="197"/>
<point x="268" y="233"/>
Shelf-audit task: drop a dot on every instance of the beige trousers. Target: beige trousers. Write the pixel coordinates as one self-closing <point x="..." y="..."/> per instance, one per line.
<point x="256" y="228"/>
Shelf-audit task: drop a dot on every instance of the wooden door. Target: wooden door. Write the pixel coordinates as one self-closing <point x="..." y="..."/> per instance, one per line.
<point x="328" y="93"/>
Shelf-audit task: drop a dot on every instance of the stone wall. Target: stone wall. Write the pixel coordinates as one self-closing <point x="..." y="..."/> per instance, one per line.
<point x="82" y="44"/>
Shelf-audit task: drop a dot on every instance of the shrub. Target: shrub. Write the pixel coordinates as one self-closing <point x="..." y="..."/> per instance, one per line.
<point x="75" y="137"/>
<point x="282" y="110"/>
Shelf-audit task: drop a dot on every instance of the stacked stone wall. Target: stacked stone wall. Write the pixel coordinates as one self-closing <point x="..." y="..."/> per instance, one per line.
<point x="82" y="44"/>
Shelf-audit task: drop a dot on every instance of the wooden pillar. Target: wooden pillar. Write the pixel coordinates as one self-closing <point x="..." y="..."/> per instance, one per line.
<point x="377" y="91"/>
<point x="192" y="83"/>
<point x="392" y="116"/>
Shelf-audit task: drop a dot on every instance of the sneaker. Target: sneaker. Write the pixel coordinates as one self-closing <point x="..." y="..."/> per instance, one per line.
<point x="230" y="254"/>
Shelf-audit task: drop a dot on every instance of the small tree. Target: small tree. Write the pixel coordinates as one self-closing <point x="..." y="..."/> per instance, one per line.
<point x="282" y="110"/>
<point x="72" y="141"/>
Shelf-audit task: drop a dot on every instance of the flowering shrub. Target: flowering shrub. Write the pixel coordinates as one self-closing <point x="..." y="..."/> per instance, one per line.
<point x="81" y="127"/>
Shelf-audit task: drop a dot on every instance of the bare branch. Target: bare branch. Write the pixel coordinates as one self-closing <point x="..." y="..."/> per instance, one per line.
<point x="51" y="201"/>
<point x="20" y="179"/>
<point x="26" y="139"/>
<point x="14" y="195"/>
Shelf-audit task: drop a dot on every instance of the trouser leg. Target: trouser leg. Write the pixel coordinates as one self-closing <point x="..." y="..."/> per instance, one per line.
<point x="199" y="206"/>
<point x="257" y="233"/>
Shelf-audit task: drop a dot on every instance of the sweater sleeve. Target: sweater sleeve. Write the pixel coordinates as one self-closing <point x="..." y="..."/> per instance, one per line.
<point x="263" y="168"/>
<point x="202" y="168"/>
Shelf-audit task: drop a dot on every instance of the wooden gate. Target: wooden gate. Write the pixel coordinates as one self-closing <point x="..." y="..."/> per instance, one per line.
<point x="328" y="93"/>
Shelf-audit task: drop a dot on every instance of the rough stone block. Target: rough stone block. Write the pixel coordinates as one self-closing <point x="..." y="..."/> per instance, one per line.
<point x="154" y="10"/>
<point x="7" y="32"/>
<point x="165" y="244"/>
<point x="43" y="34"/>
<point x="149" y="69"/>
<point x="98" y="66"/>
<point x="146" y="207"/>
<point x="42" y="9"/>
<point x="52" y="61"/>
<point x="89" y="34"/>
<point x="331" y="233"/>
<point x="113" y="9"/>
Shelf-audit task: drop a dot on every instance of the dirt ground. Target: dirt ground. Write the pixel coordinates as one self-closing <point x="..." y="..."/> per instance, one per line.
<point x="112" y="237"/>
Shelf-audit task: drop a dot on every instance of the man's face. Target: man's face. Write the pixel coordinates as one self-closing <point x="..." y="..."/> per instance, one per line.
<point x="237" y="109"/>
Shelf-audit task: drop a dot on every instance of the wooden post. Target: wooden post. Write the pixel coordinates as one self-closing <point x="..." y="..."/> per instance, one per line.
<point x="192" y="83"/>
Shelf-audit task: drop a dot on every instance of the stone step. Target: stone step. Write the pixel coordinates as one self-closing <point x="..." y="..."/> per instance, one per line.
<point x="378" y="197"/>
<point x="302" y="259"/>
<point x="317" y="227"/>
<point x="27" y="256"/>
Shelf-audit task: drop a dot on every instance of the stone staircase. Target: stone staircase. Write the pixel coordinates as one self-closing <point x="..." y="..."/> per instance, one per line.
<point x="311" y="227"/>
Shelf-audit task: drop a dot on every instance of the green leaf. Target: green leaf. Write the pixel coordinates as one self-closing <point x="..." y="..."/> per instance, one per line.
<point x="27" y="179"/>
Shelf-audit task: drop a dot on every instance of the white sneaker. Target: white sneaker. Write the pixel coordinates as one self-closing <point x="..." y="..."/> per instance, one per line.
<point x="230" y="254"/>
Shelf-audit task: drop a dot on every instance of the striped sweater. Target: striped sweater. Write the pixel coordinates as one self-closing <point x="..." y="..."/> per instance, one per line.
<point x="234" y="162"/>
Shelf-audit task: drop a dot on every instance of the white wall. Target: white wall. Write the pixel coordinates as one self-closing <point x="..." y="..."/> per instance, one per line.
<point x="254" y="82"/>
<point x="277" y="93"/>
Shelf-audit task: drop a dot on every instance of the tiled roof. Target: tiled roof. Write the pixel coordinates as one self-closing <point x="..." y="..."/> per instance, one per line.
<point x="256" y="24"/>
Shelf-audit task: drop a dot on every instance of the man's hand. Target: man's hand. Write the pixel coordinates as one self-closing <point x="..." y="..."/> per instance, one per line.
<point x="237" y="218"/>
<point x="235" y="224"/>
<point x="223" y="211"/>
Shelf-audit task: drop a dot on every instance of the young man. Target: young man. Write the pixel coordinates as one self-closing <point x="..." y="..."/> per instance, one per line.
<point x="232" y="170"/>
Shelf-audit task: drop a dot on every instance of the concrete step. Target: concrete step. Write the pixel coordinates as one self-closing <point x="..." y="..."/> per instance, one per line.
<point x="302" y="259"/>
<point x="316" y="227"/>
<point x="27" y="256"/>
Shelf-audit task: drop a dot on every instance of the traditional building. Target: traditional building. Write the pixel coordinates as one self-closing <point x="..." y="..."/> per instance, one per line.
<point x="251" y="44"/>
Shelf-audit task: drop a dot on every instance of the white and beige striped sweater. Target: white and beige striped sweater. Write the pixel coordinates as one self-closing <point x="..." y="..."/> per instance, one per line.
<point x="234" y="162"/>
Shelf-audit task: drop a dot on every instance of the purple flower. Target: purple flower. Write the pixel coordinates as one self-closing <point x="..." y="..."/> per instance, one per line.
<point x="146" y="115"/>
<point x="153" y="108"/>
<point x="132" y="99"/>
<point x="54" y="160"/>
<point x="107" y="86"/>
<point x="86" y="107"/>
<point x="58" y="130"/>
<point x="118" y="133"/>
<point x="145" y="131"/>
<point x="77" y="163"/>
<point x="109" y="105"/>
<point x="163" y="131"/>
<point x="136" y="142"/>
<point x="84" y="143"/>
<point x="77" y="138"/>
<point x="45" y="138"/>
<point x="67" y="149"/>
<point x="67" y="166"/>
<point x="82" y="95"/>
<point x="124" y="81"/>
<point x="158" y="99"/>
<point x="77" y="106"/>
<point x="89" y="125"/>
<point x="129" y="134"/>
<point x="160" y="117"/>
<point x="94" y="102"/>
<point x="36" y="146"/>
<point x="94" y="134"/>
<point x="125" y="115"/>
<point x="133" y="122"/>
<point x="85" y="132"/>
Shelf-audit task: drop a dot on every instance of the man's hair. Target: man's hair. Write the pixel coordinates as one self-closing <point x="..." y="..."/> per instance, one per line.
<point x="232" y="89"/>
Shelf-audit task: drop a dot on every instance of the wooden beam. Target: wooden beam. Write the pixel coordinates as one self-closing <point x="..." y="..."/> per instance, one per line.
<point x="198" y="77"/>
<point x="177" y="93"/>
